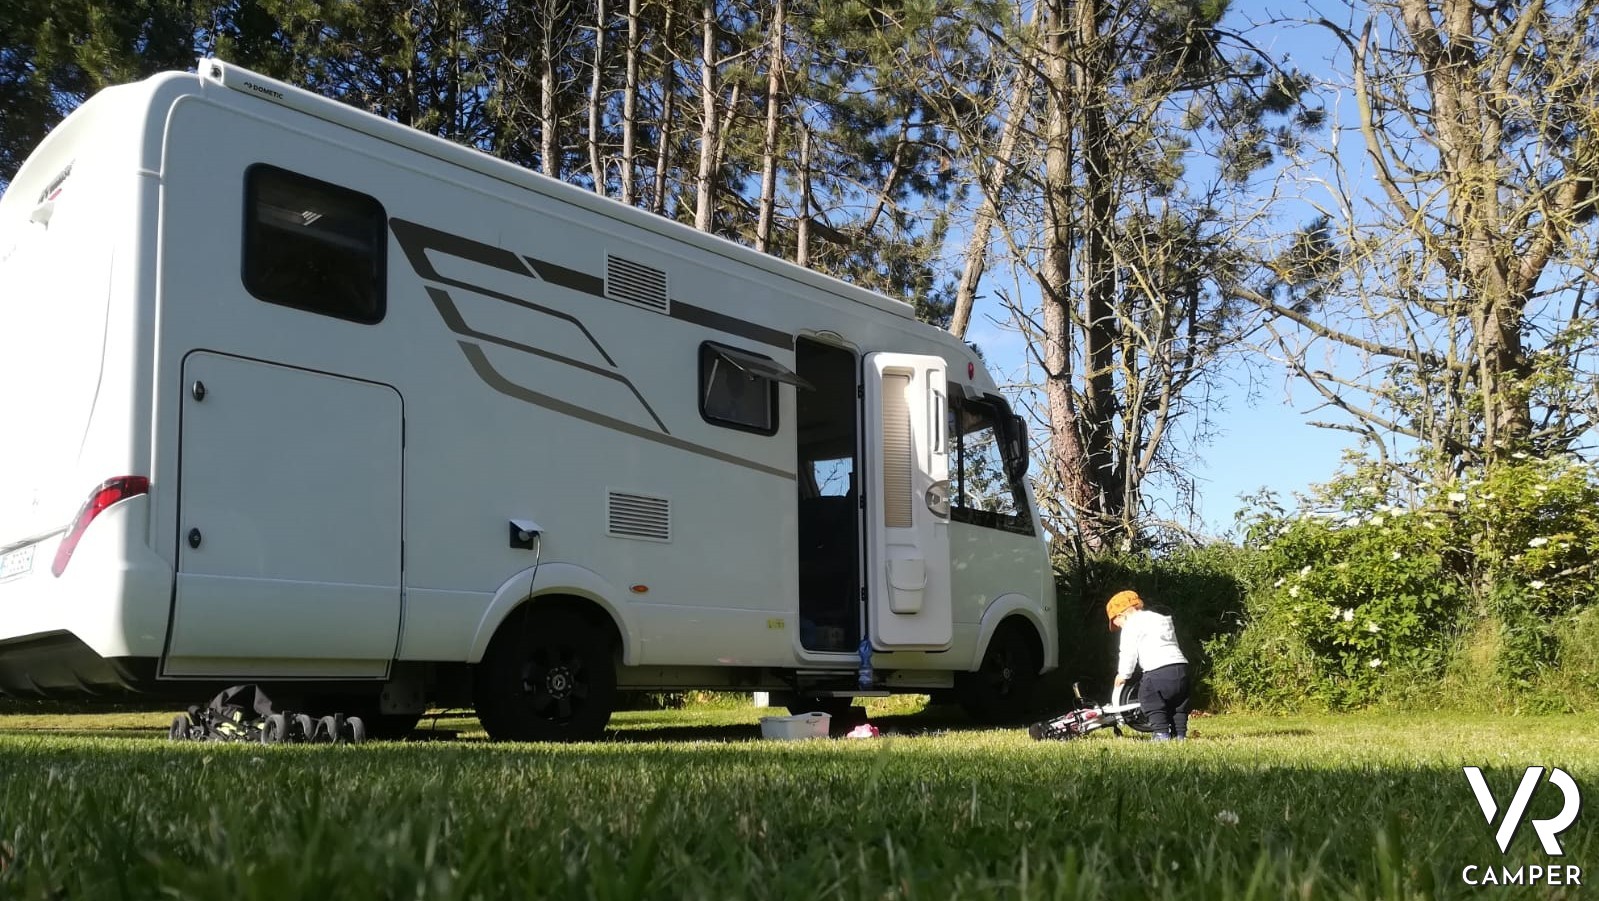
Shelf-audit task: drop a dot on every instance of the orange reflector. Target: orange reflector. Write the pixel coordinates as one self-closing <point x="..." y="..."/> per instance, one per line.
<point x="639" y="589"/>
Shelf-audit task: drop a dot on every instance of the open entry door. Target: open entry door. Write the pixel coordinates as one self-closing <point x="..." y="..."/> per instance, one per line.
<point x="907" y="514"/>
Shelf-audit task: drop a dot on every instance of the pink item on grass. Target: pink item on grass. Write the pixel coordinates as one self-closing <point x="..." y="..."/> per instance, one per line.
<point x="864" y="730"/>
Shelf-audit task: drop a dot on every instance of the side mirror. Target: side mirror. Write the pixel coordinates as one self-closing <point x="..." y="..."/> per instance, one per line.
<point x="1017" y="449"/>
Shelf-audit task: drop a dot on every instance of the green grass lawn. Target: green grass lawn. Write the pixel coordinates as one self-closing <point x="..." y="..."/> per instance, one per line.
<point x="690" y="804"/>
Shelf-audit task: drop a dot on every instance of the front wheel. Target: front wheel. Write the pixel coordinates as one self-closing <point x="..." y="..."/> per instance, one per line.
<point x="1001" y="690"/>
<point x="548" y="675"/>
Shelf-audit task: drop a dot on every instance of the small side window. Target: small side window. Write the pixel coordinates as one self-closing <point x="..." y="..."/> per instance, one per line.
<point x="314" y="246"/>
<point x="738" y="389"/>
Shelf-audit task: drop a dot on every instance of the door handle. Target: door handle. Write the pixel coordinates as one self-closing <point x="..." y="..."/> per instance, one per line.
<point x="194" y="538"/>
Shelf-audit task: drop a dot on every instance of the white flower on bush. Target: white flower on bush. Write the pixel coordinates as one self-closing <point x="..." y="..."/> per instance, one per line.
<point x="1457" y="496"/>
<point x="1373" y="628"/>
<point x="1519" y="455"/>
<point x="1374" y="662"/>
<point x="1305" y="571"/>
<point x="1349" y="614"/>
<point x="1368" y="490"/>
<point x="1394" y="556"/>
<point x="1227" y="818"/>
<point x="1537" y="583"/>
<point x="1540" y="541"/>
<point x="1278" y="583"/>
<point x="1375" y="520"/>
<point x="1293" y="591"/>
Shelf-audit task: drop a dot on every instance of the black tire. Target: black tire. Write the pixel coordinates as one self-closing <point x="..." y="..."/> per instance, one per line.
<point x="304" y="727"/>
<point x="1135" y="719"/>
<point x="1001" y="690"/>
<point x="354" y="730"/>
<point x="326" y="732"/>
<point x="275" y="730"/>
<point x="548" y="675"/>
<point x="179" y="730"/>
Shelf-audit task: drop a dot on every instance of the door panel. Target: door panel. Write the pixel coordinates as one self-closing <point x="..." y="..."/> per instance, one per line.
<point x="907" y="454"/>
<point x="289" y="523"/>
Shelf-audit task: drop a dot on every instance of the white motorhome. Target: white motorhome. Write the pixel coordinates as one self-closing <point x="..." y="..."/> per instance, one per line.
<point x="295" y="395"/>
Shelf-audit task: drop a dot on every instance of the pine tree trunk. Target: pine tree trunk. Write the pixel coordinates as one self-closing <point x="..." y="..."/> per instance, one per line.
<point x="549" y="144"/>
<point x="802" y="227"/>
<point x="1056" y="275"/>
<point x="774" y="92"/>
<point x="596" y="164"/>
<point x="668" y="123"/>
<point x="1090" y="71"/>
<point x="630" y="104"/>
<point x="704" y="182"/>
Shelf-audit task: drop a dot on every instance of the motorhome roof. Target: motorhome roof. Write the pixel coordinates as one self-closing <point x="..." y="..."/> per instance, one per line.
<point x="274" y="91"/>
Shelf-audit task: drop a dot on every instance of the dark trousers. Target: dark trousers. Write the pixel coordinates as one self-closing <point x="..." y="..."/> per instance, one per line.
<point x="1163" y="694"/>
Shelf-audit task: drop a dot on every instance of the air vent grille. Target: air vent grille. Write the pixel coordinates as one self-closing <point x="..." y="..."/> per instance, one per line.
<point x="635" y="283"/>
<point x="639" y="516"/>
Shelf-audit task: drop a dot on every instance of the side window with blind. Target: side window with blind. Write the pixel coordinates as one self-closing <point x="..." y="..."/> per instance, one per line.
<point x="314" y="246"/>
<point x="983" y="492"/>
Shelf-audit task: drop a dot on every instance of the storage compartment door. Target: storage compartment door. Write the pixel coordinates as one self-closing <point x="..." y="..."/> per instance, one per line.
<point x="289" y="523"/>
<point x="907" y="514"/>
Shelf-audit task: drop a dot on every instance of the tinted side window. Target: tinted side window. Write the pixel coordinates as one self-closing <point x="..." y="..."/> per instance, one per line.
<point x="982" y="492"/>
<point x="313" y="245"/>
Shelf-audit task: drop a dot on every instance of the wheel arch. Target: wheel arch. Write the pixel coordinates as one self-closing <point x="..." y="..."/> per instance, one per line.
<point x="1015" y="611"/>
<point x="552" y="585"/>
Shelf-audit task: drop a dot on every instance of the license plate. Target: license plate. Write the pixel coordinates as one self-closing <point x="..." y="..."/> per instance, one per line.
<point x="16" y="563"/>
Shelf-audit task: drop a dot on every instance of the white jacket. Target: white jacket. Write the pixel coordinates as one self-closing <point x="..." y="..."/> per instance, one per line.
<point x="1148" y="642"/>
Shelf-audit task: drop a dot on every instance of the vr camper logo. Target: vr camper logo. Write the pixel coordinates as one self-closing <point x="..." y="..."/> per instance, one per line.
<point x="1564" y="874"/>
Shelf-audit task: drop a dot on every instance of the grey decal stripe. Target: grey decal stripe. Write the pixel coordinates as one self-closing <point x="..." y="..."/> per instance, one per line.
<point x="491" y="377"/>
<point x="568" y="278"/>
<point x="416" y="239"/>
<point x="457" y="323"/>
<point x="725" y="323"/>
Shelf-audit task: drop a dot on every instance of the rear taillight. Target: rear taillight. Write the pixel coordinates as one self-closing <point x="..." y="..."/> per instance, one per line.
<point x="118" y="489"/>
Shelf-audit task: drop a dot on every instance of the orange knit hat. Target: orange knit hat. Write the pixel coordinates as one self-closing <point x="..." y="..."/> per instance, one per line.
<point x="1121" y="602"/>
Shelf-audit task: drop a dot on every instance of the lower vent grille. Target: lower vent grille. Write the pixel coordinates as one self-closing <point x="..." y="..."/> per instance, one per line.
<point x="639" y="516"/>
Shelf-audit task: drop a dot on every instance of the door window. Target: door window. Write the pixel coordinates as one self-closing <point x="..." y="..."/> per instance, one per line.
<point x="984" y="494"/>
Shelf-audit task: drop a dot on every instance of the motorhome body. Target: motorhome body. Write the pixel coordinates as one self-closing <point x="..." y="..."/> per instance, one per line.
<point x="374" y="415"/>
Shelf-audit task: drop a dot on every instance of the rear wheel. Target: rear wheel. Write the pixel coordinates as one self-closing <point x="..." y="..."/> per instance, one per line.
<point x="1135" y="719"/>
<point x="548" y="675"/>
<point x="1001" y="690"/>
